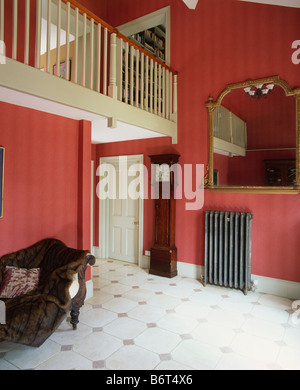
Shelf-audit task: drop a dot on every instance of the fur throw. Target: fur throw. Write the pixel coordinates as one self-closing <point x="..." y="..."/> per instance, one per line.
<point x="31" y="318"/>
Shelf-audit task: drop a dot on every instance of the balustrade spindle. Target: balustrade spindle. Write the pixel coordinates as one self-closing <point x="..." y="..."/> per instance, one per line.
<point x="131" y="74"/>
<point x="105" y="62"/>
<point x="147" y="84"/>
<point x="164" y="93"/>
<point x="83" y="51"/>
<point x="76" y="46"/>
<point x="48" y="36"/>
<point x="27" y="27"/>
<point x="58" y="38"/>
<point x="137" y="77"/>
<point x="2" y="20"/>
<point x="151" y="85"/>
<point x="98" y="56"/>
<point x="126" y="73"/>
<point x="38" y="34"/>
<point x="91" y="53"/>
<point x="68" y="76"/>
<point x="15" y="29"/>
<point x="142" y="81"/>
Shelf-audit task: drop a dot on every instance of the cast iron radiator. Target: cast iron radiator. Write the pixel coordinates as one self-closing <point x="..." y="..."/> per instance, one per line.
<point x="228" y="249"/>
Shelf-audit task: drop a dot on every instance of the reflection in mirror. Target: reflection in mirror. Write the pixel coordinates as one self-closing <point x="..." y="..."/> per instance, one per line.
<point x="253" y="132"/>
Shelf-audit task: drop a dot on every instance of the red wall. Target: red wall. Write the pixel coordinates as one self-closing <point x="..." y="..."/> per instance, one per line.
<point x="219" y="43"/>
<point x="47" y="158"/>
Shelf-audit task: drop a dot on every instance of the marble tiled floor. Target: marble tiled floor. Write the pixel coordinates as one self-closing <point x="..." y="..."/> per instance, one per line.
<point x="137" y="321"/>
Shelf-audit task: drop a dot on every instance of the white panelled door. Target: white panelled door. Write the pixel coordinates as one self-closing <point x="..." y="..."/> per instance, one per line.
<point x="123" y="218"/>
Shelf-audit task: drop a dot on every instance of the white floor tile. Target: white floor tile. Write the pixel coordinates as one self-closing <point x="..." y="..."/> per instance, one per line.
<point x="158" y="340"/>
<point x="97" y="346"/>
<point x="125" y="328"/>
<point x="256" y="348"/>
<point x="138" y="321"/>
<point x="132" y="357"/>
<point x="197" y="355"/>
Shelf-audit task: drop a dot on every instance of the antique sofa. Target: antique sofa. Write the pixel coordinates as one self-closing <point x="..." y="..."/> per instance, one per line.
<point x="38" y="286"/>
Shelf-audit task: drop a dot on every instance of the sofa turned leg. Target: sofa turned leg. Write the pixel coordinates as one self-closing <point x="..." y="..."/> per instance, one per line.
<point x="74" y="318"/>
<point x="79" y="298"/>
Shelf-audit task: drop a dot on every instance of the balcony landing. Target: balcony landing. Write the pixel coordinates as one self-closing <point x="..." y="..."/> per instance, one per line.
<point x="112" y="120"/>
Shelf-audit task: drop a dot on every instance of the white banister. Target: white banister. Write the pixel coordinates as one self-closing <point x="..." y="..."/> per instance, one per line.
<point x="38" y="34"/>
<point x="112" y="89"/>
<point x="83" y="51"/>
<point x="2" y="20"/>
<point x="164" y="93"/>
<point x="131" y="74"/>
<point x="58" y="38"/>
<point x="155" y="87"/>
<point x="167" y="95"/>
<point x="175" y="99"/>
<point x="27" y="27"/>
<point x="91" y="53"/>
<point x="48" y="36"/>
<point x="159" y="90"/>
<point x="137" y="77"/>
<point x="170" y="94"/>
<point x="15" y="29"/>
<point x="151" y="85"/>
<point x="105" y="62"/>
<point x="98" y="56"/>
<point x="76" y="46"/>
<point x="68" y="76"/>
<point x="120" y="68"/>
<point x="147" y="84"/>
<point x="126" y="74"/>
<point x="142" y="81"/>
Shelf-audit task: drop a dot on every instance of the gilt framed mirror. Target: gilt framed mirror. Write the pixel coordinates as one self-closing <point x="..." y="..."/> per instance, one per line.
<point x="254" y="138"/>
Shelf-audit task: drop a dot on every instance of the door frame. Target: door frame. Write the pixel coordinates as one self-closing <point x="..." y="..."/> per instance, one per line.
<point x="104" y="211"/>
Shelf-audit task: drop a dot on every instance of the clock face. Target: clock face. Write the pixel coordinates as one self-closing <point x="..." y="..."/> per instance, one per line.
<point x="162" y="172"/>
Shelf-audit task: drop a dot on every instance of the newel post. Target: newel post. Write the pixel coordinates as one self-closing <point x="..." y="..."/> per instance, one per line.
<point x="175" y="98"/>
<point x="112" y="88"/>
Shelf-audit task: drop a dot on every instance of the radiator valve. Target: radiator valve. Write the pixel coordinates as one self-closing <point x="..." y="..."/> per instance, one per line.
<point x="254" y="285"/>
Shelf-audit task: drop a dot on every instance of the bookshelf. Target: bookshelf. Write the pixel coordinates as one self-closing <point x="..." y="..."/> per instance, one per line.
<point x="153" y="40"/>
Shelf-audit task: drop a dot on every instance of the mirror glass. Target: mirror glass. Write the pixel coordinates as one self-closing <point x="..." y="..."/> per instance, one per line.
<point x="253" y="138"/>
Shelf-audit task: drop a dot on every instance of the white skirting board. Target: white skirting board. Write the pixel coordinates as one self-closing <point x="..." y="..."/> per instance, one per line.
<point x="264" y="284"/>
<point x="89" y="289"/>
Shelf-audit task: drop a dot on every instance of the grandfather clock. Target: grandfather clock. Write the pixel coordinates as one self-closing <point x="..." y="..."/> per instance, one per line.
<point x="163" y="254"/>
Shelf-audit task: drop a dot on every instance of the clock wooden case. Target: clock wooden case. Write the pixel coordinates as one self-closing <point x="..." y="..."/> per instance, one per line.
<point x="163" y="254"/>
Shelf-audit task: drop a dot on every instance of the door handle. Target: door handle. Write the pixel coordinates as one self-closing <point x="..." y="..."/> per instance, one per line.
<point x="135" y="223"/>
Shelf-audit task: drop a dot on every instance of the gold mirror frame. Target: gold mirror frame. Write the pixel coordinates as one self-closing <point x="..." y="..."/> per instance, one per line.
<point x="211" y="105"/>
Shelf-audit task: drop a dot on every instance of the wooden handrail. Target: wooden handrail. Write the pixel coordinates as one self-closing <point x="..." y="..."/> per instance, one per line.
<point x="74" y="4"/>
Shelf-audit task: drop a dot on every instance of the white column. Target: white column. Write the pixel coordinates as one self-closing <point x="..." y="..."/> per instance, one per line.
<point x="112" y="89"/>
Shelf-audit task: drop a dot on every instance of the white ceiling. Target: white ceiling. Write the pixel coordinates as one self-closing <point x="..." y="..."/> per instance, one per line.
<point x="283" y="3"/>
<point x="101" y="133"/>
<point x="192" y="4"/>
